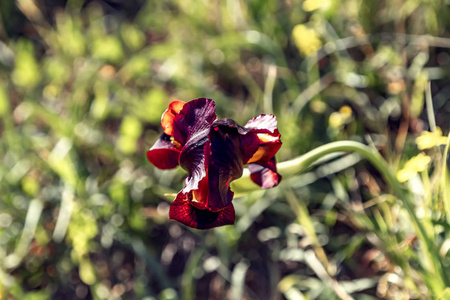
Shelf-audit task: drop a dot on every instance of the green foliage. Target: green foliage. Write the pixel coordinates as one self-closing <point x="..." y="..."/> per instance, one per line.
<point x="83" y="85"/>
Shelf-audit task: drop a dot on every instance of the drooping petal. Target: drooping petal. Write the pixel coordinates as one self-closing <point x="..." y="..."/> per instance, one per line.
<point x="265" y="175"/>
<point x="225" y="164"/>
<point x="249" y="143"/>
<point x="191" y="129"/>
<point x="182" y="211"/>
<point x="269" y="144"/>
<point x="259" y="138"/>
<point x="265" y="128"/>
<point x="169" y="114"/>
<point x="163" y="154"/>
<point x="232" y="146"/>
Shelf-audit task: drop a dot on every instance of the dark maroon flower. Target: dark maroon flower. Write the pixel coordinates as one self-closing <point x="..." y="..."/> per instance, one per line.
<point x="214" y="153"/>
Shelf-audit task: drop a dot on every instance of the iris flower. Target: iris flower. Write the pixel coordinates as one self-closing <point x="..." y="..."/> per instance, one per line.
<point x="214" y="153"/>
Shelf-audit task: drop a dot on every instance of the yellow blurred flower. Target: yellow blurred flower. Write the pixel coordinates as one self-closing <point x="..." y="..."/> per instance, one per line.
<point x="335" y="120"/>
<point x="343" y="116"/>
<point x="428" y="140"/>
<point x="318" y="106"/>
<point x="306" y="39"/>
<point x="310" y="5"/>
<point x="413" y="166"/>
<point x="346" y="112"/>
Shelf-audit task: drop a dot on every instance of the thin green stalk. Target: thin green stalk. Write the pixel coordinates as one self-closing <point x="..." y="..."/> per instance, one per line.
<point x="268" y="88"/>
<point x="429" y="104"/>
<point x="301" y="163"/>
<point x="445" y="187"/>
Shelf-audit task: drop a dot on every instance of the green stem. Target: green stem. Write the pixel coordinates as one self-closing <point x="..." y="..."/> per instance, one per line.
<point x="301" y="163"/>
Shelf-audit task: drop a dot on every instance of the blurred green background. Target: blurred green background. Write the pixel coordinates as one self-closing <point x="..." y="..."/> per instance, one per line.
<point x="83" y="85"/>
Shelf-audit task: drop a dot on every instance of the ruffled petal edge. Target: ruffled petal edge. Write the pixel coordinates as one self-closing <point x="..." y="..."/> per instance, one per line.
<point x="265" y="175"/>
<point x="184" y="212"/>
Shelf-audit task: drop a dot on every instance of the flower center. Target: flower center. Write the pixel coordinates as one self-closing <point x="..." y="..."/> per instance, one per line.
<point x="175" y="143"/>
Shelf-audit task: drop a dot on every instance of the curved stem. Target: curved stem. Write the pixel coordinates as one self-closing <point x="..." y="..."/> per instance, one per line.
<point x="299" y="164"/>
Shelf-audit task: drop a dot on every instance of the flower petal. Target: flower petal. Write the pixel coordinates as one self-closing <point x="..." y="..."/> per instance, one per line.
<point x="249" y="143"/>
<point x="262" y="123"/>
<point x="232" y="146"/>
<point x="260" y="138"/>
<point x="265" y="127"/>
<point x="199" y="197"/>
<point x="169" y="114"/>
<point x="225" y="164"/>
<point x="191" y="129"/>
<point x="265" y="175"/>
<point x="182" y="211"/>
<point x="268" y="146"/>
<point x="163" y="154"/>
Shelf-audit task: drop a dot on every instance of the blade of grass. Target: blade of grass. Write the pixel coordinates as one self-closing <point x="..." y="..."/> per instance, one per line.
<point x="288" y="289"/>
<point x="313" y="262"/>
<point x="305" y="220"/>
<point x="445" y="181"/>
<point x="31" y="220"/>
<point x="64" y="215"/>
<point x="429" y="104"/>
<point x="268" y="88"/>
<point x="188" y="279"/>
<point x="238" y="280"/>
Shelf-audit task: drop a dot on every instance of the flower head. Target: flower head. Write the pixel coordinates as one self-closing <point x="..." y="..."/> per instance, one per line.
<point x="413" y="166"/>
<point x="306" y="39"/>
<point x="428" y="140"/>
<point x="338" y="119"/>
<point x="214" y="153"/>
